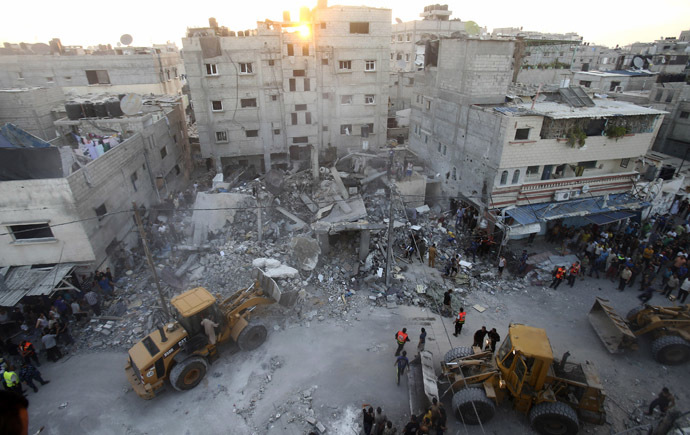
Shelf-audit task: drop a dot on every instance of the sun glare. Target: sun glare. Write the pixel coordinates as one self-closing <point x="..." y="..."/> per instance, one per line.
<point x="304" y="31"/>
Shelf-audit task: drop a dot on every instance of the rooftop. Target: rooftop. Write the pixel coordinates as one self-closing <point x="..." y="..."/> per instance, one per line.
<point x="603" y="107"/>
<point x="620" y="73"/>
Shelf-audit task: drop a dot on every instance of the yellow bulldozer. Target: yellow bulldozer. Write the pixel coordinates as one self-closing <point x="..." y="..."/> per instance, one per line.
<point x="669" y="328"/>
<point x="181" y="352"/>
<point x="555" y="394"/>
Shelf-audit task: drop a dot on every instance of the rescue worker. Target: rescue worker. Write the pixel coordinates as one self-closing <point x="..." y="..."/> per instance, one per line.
<point x="402" y="338"/>
<point x="11" y="380"/>
<point x="479" y="337"/>
<point x="460" y="321"/>
<point x="432" y="255"/>
<point x="558" y="275"/>
<point x="28" y="352"/>
<point x="664" y="401"/>
<point x="574" y="271"/>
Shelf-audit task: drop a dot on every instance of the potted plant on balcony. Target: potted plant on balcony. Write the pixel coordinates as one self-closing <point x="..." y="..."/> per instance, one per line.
<point x="576" y="137"/>
<point x="615" y="132"/>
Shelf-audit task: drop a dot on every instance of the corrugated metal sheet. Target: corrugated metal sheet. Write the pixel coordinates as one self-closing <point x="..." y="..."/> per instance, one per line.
<point x="24" y="281"/>
<point x="608" y="217"/>
<point x="528" y="214"/>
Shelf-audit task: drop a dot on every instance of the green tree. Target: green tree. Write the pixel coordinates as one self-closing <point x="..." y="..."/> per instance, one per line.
<point x="471" y="28"/>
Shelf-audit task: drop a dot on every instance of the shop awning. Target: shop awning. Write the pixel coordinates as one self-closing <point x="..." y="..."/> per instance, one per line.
<point x="24" y="281"/>
<point x="608" y="217"/>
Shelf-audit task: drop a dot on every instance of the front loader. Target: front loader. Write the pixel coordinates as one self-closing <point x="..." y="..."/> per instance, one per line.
<point x="669" y="328"/>
<point x="181" y="352"/>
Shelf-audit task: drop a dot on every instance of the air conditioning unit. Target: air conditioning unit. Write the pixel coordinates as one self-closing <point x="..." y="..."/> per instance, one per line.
<point x="561" y="195"/>
<point x="618" y="89"/>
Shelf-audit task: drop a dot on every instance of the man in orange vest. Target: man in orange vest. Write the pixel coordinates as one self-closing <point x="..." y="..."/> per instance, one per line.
<point x="574" y="271"/>
<point x="459" y="321"/>
<point x="28" y="352"/>
<point x="558" y="276"/>
<point x="402" y="338"/>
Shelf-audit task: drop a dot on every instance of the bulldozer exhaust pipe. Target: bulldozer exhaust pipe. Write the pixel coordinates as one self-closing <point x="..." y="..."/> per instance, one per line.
<point x="163" y="337"/>
<point x="564" y="360"/>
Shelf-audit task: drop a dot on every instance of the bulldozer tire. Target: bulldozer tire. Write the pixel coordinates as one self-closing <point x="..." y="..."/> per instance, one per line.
<point x="457" y="352"/>
<point x="554" y="418"/>
<point x="252" y="336"/>
<point x="632" y="314"/>
<point x="187" y="374"/>
<point x="472" y="406"/>
<point x="671" y="350"/>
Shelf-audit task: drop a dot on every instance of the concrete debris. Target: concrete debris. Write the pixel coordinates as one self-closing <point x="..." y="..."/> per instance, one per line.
<point x="306" y="252"/>
<point x="282" y="271"/>
<point x="266" y="263"/>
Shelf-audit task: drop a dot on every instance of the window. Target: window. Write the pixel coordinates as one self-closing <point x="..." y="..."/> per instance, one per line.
<point x="211" y="69"/>
<point x="307" y="85"/>
<point x="359" y="28"/>
<point x="175" y="138"/>
<point x="20" y="76"/>
<point x="216" y="106"/>
<point x="300" y="107"/>
<point x="68" y="78"/>
<point x="326" y="95"/>
<point x="369" y="99"/>
<point x="346" y="99"/>
<point x="324" y="128"/>
<point x="455" y="173"/>
<point x="307" y="118"/>
<point x="293" y="118"/>
<point x="221" y="136"/>
<point x="586" y="83"/>
<point x="175" y="72"/>
<point x="426" y="138"/>
<point x="398" y="56"/>
<point x="614" y="85"/>
<point x="522" y="134"/>
<point x="274" y="98"/>
<point x="276" y="131"/>
<point x="271" y="62"/>
<point x="324" y="61"/>
<point x="369" y="65"/>
<point x="392" y="54"/>
<point x="684" y="115"/>
<point x="101" y="212"/>
<point x="658" y="95"/>
<point x="346" y="129"/>
<point x="516" y="176"/>
<point x="370" y="127"/>
<point x="164" y="152"/>
<point x="31" y="231"/>
<point x="291" y="50"/>
<point x="445" y="150"/>
<point x="504" y="178"/>
<point x="428" y="104"/>
<point x="440" y="147"/>
<point x="248" y="102"/>
<point x="300" y="139"/>
<point x="167" y="74"/>
<point x="50" y="80"/>
<point x="322" y="25"/>
<point x="345" y="64"/>
<point x="298" y="73"/>
<point x="400" y="37"/>
<point x="251" y="133"/>
<point x="177" y="169"/>
<point x="591" y="164"/>
<point x="305" y="50"/>
<point x="409" y="37"/>
<point x="293" y="85"/>
<point x="532" y="170"/>
<point x="407" y="57"/>
<point x="97" y="77"/>
<point x="624" y="163"/>
<point x="669" y="97"/>
<point x="133" y="178"/>
<point x="246" y="68"/>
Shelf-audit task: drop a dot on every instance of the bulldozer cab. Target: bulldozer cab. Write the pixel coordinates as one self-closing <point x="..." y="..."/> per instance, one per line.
<point x="192" y="307"/>
<point x="524" y="359"/>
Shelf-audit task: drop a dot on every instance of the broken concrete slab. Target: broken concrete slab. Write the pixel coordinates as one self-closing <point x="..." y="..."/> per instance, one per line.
<point x="191" y="260"/>
<point x="299" y="223"/>
<point x="306" y="252"/>
<point x="339" y="183"/>
<point x="309" y="203"/>
<point x="213" y="210"/>
<point x="265" y="263"/>
<point x="274" y="179"/>
<point x="282" y="271"/>
<point x="358" y="211"/>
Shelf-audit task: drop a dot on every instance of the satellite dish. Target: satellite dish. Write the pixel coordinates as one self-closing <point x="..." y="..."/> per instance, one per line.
<point x="398" y="20"/>
<point x="126" y="39"/>
<point x="131" y="104"/>
<point x="585" y="188"/>
<point x="638" y="62"/>
<point x="119" y="44"/>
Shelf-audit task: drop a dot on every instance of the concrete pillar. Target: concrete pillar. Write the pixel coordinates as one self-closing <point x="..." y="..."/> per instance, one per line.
<point x="364" y="237"/>
<point x="324" y="243"/>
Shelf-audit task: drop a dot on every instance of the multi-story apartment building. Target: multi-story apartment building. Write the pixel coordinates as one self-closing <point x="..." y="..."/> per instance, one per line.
<point x="129" y="69"/>
<point x="291" y="92"/>
<point x="563" y="145"/>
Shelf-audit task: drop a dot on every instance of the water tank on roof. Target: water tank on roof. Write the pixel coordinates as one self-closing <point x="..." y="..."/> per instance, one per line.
<point x="101" y="110"/>
<point x="74" y="110"/>
<point x="113" y="107"/>
<point x="89" y="109"/>
<point x="667" y="172"/>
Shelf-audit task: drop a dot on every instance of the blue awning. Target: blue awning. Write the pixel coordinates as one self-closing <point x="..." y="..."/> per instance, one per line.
<point x="608" y="217"/>
<point x="528" y="214"/>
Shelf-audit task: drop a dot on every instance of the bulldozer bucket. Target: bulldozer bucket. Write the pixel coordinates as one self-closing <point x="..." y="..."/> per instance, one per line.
<point x="268" y="285"/>
<point x="422" y="383"/>
<point x="611" y="327"/>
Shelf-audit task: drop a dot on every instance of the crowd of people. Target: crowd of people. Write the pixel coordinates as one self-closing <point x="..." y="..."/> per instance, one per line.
<point x="45" y="326"/>
<point x="432" y="421"/>
<point x="653" y="255"/>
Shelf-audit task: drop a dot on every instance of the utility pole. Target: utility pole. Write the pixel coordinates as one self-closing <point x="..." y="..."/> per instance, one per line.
<point x="389" y="251"/>
<point x="137" y="217"/>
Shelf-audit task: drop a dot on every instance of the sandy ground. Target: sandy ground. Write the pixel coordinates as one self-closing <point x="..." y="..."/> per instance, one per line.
<point x="336" y="366"/>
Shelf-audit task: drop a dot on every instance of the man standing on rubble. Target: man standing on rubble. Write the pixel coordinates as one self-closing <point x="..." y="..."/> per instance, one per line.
<point x="479" y="337"/>
<point x="402" y="338"/>
<point x="459" y="321"/>
<point x="446" y="302"/>
<point x="432" y="255"/>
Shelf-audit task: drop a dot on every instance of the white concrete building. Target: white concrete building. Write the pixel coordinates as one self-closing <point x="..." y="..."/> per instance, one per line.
<point x="58" y="207"/>
<point x="147" y="71"/>
<point x="290" y="92"/>
<point x="500" y="155"/>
